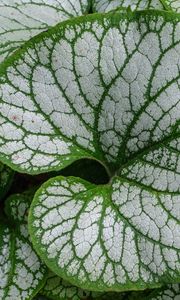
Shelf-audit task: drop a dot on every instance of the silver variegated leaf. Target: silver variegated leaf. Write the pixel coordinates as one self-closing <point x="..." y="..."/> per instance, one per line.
<point x="106" y="88"/>
<point x="22" y="19"/>
<point x="115" y="237"/>
<point x="22" y="273"/>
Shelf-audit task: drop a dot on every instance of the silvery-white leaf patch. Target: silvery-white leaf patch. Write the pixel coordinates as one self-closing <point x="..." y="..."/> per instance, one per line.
<point x="59" y="289"/>
<point x="174" y="5"/>
<point x="108" y="5"/>
<point x="21" y="272"/>
<point x="20" y="20"/>
<point x="6" y="177"/>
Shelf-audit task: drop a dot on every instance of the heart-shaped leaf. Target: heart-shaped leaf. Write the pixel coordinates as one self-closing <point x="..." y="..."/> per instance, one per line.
<point x="63" y="98"/>
<point x="108" y="5"/>
<point x="21" y="272"/>
<point x="120" y="236"/>
<point x="6" y="177"/>
<point x="58" y="289"/>
<point x="104" y="87"/>
<point x="20" y="20"/>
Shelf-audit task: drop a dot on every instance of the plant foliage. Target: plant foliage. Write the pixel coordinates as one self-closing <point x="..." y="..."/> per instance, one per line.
<point x="90" y="96"/>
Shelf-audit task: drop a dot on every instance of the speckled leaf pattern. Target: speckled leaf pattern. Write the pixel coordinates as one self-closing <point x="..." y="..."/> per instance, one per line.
<point x="108" y="5"/>
<point x="21" y="272"/>
<point x="6" y="177"/>
<point x="174" y="5"/>
<point x="69" y="94"/>
<point x="20" y="20"/>
<point x="59" y="289"/>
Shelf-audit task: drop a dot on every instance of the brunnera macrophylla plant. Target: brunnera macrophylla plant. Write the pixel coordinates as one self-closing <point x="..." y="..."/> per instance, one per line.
<point x="103" y="87"/>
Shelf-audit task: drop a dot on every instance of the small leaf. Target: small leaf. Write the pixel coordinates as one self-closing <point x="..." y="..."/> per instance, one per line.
<point x="21" y="20"/>
<point x="6" y="177"/>
<point x="22" y="273"/>
<point x="108" y="5"/>
<point x="58" y="289"/>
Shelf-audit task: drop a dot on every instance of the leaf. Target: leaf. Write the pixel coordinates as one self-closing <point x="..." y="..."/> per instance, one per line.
<point x="117" y="237"/>
<point x="58" y="289"/>
<point x="20" y="20"/>
<point x="6" y="177"/>
<point x="108" y="5"/>
<point x="106" y="87"/>
<point x="174" y="5"/>
<point x="62" y="98"/>
<point x="22" y="273"/>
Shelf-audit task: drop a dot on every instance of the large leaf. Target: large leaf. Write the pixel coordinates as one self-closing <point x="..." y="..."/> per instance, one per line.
<point x="108" y="5"/>
<point x="6" y="177"/>
<point x="21" y="272"/>
<point x="20" y="20"/>
<point x="63" y="98"/>
<point x="122" y="236"/>
<point x="104" y="87"/>
<point x="58" y="289"/>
